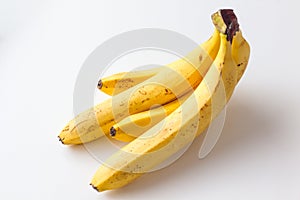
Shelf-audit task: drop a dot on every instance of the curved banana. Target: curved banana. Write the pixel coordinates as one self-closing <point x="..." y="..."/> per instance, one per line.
<point x="181" y="126"/>
<point x="120" y="82"/>
<point x="134" y="125"/>
<point x="157" y="90"/>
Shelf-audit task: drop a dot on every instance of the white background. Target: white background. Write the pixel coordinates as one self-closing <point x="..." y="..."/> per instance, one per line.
<point x="42" y="47"/>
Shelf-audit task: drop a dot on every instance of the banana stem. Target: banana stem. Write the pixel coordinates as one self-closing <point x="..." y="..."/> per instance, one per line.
<point x="226" y="22"/>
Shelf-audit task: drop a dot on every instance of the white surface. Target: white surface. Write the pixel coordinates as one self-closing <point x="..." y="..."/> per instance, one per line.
<point x="42" y="47"/>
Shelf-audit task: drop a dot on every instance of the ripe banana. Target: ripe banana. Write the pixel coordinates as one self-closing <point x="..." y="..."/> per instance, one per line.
<point x="183" y="75"/>
<point x="134" y="125"/>
<point x="181" y="126"/>
<point x="120" y="82"/>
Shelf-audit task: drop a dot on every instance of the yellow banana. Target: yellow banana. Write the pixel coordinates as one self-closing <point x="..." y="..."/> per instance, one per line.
<point x="134" y="125"/>
<point x="120" y="82"/>
<point x="138" y="123"/>
<point x="182" y="76"/>
<point x="181" y="126"/>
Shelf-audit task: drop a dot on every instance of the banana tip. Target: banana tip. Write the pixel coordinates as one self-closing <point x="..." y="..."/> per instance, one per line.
<point x="95" y="187"/>
<point x="100" y="84"/>
<point x="60" y="140"/>
<point x="112" y="131"/>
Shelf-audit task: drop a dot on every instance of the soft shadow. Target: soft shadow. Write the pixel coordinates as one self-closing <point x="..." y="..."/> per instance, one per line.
<point x="75" y="151"/>
<point x="248" y="120"/>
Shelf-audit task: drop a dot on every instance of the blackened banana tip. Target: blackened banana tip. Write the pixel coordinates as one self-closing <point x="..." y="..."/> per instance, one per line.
<point x="60" y="140"/>
<point x="100" y="84"/>
<point x="231" y="21"/>
<point x="94" y="187"/>
<point x="112" y="132"/>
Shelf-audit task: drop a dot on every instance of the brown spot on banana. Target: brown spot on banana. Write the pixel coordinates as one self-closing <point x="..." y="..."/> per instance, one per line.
<point x="200" y="58"/>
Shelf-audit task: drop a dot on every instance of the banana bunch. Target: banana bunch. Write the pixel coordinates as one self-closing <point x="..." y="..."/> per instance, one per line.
<point x="161" y="110"/>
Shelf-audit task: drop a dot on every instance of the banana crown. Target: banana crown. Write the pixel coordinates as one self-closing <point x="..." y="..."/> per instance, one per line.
<point x="226" y="22"/>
